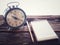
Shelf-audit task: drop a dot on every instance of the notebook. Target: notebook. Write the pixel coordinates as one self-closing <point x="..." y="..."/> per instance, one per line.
<point x="43" y="30"/>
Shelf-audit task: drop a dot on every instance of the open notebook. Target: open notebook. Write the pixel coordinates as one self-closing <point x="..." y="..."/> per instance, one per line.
<point x="43" y="30"/>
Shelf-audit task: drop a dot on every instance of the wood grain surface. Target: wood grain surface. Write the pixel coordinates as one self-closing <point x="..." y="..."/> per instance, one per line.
<point x="22" y="36"/>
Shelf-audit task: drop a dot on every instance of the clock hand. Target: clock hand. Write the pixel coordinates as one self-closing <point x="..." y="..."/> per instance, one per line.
<point x="15" y="18"/>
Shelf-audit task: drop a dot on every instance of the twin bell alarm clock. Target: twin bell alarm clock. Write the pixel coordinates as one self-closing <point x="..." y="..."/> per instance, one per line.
<point x="14" y="17"/>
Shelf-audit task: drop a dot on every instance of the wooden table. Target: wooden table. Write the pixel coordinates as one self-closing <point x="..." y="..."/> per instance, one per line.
<point x="22" y="36"/>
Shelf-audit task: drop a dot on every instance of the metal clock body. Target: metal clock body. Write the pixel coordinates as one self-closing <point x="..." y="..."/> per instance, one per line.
<point x="15" y="17"/>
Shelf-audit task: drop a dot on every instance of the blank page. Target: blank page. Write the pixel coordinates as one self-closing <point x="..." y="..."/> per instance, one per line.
<point x="43" y="30"/>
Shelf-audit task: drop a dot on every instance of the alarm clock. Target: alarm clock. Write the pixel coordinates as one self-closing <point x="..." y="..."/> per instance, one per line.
<point x="15" y="17"/>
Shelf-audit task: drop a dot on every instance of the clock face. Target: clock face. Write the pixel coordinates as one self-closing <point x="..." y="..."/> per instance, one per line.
<point x="15" y="17"/>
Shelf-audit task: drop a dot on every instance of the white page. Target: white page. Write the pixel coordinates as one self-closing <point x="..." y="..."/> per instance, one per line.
<point x="43" y="30"/>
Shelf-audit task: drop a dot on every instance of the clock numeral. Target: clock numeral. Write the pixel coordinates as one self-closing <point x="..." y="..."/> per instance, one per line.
<point x="12" y="24"/>
<point x="11" y="12"/>
<point x="9" y="22"/>
<point x="15" y="11"/>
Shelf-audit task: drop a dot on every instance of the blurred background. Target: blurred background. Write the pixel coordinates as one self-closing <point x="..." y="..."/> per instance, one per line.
<point x="34" y="7"/>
